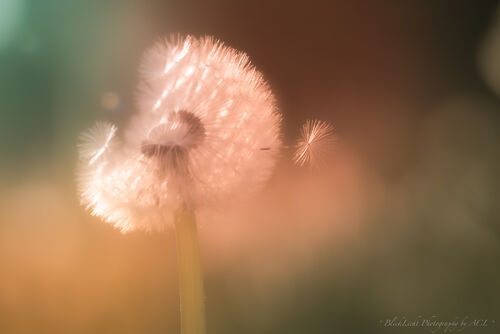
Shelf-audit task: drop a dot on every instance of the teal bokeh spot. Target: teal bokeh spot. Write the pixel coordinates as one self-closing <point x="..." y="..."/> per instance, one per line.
<point x="11" y="16"/>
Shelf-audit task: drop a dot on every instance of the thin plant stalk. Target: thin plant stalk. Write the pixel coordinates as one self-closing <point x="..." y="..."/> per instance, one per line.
<point x="191" y="291"/>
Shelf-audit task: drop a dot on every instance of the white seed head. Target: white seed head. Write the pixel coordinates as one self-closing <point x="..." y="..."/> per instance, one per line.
<point x="204" y="114"/>
<point x="315" y="144"/>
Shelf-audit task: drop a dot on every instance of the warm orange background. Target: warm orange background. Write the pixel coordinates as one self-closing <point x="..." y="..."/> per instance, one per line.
<point x="403" y="222"/>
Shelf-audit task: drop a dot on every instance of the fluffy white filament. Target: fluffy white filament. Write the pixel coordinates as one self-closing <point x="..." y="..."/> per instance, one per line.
<point x="205" y="113"/>
<point x="315" y="143"/>
<point x="97" y="141"/>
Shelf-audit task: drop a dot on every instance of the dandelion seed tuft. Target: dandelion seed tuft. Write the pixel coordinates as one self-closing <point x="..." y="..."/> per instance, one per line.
<point x="97" y="141"/>
<point x="315" y="143"/>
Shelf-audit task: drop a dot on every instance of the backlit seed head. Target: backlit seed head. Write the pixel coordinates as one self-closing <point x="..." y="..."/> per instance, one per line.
<point x="204" y="113"/>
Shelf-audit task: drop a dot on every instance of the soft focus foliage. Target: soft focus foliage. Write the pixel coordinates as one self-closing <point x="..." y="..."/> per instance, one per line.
<point x="204" y="115"/>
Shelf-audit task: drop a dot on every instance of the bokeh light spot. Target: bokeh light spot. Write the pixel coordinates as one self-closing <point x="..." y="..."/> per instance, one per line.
<point x="11" y="15"/>
<point x="110" y="101"/>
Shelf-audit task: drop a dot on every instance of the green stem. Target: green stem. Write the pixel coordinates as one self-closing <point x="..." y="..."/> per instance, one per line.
<point x="192" y="297"/>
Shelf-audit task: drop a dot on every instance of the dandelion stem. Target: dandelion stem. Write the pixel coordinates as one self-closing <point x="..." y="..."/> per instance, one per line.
<point x="192" y="297"/>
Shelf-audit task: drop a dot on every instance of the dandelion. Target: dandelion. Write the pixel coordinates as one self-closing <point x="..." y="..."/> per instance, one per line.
<point x="315" y="143"/>
<point x="204" y="113"/>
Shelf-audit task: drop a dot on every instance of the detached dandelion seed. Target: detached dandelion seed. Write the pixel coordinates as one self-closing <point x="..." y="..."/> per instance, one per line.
<point x="204" y="113"/>
<point x="315" y="144"/>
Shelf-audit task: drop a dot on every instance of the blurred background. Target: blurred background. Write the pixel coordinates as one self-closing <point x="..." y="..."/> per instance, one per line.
<point x="404" y="222"/>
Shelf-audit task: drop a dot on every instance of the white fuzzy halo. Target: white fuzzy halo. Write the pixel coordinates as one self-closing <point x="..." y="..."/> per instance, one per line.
<point x="207" y="130"/>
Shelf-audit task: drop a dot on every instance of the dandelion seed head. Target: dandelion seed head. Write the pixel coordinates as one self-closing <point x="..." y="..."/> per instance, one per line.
<point x="203" y="114"/>
<point x="315" y="144"/>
